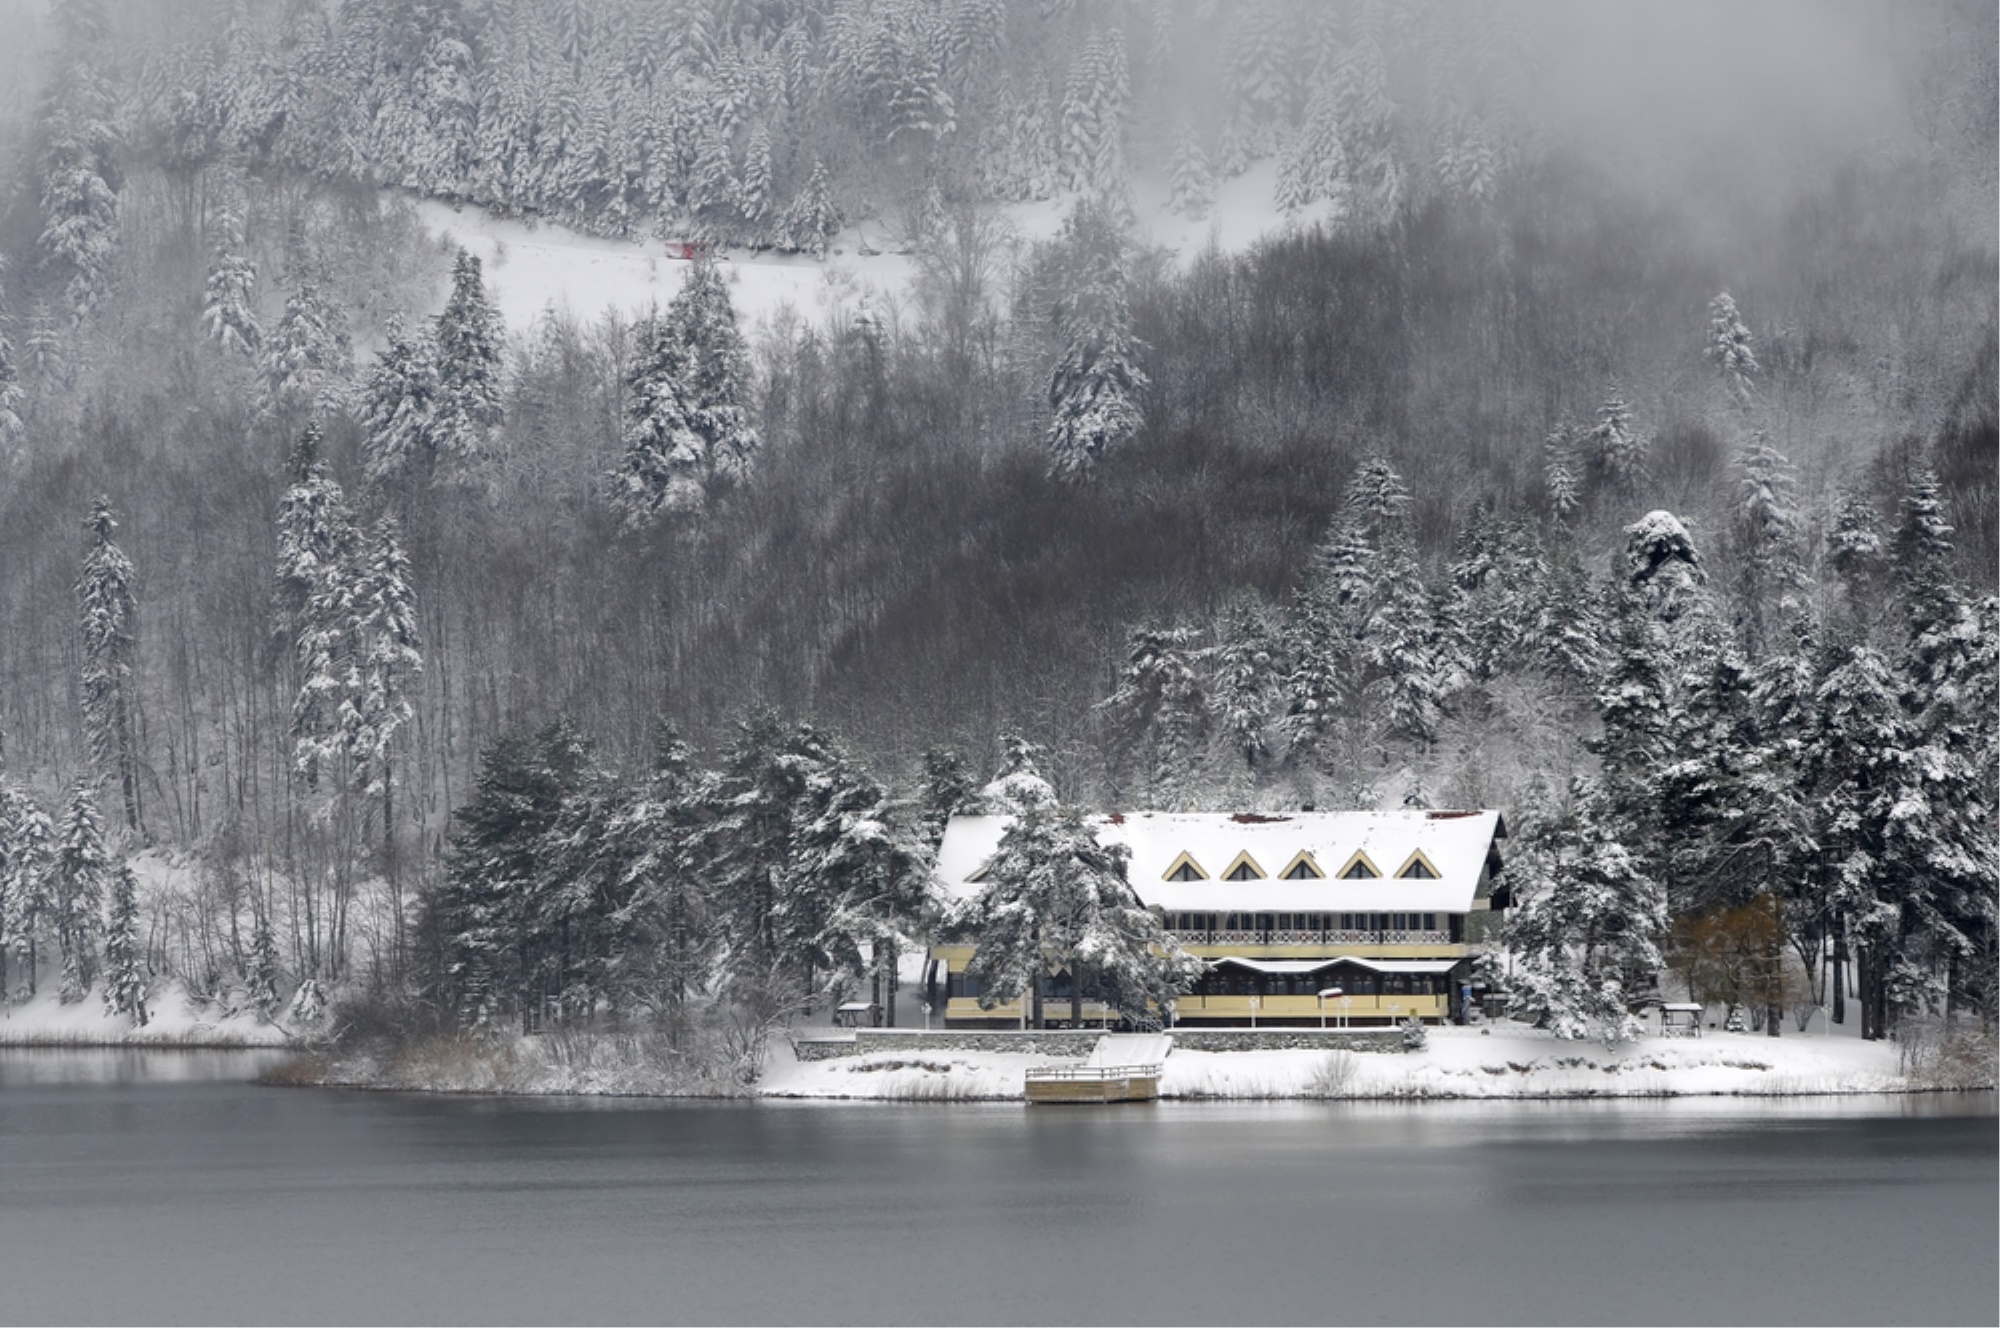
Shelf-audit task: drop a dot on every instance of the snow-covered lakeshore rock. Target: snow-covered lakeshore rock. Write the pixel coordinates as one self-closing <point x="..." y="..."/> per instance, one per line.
<point x="1458" y="1063"/>
<point x="174" y="1019"/>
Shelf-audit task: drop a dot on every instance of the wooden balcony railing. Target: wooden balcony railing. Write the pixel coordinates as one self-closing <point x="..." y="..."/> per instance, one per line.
<point x="1327" y="937"/>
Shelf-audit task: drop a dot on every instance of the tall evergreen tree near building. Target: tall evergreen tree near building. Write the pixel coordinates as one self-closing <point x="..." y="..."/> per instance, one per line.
<point x="1054" y="897"/>
<point x="1159" y="712"/>
<point x="107" y="623"/>
<point x="1245" y="680"/>
<point x="1588" y="920"/>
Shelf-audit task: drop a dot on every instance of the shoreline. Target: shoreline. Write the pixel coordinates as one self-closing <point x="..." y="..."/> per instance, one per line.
<point x="1456" y="1065"/>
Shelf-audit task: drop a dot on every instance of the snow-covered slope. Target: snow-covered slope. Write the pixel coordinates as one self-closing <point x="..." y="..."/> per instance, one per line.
<point x="530" y="267"/>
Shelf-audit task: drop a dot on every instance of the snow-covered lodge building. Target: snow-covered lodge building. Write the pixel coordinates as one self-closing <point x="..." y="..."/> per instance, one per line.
<point x="1378" y="905"/>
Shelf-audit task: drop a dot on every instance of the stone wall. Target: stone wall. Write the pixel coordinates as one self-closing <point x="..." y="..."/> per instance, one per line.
<point x="1288" y="1039"/>
<point x="1045" y="1042"/>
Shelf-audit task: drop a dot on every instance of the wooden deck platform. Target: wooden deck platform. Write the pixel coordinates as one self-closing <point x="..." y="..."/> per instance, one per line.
<point x="1093" y="1083"/>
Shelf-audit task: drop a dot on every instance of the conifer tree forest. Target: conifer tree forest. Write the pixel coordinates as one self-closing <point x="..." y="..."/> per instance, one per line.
<point x="361" y="651"/>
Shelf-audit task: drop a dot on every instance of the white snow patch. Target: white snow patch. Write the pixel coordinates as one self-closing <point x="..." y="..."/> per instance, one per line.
<point x="530" y="267"/>
<point x="1458" y="1063"/>
<point x="174" y="1018"/>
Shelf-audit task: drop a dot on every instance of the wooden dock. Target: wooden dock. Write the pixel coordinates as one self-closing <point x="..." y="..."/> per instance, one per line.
<point x="1093" y="1083"/>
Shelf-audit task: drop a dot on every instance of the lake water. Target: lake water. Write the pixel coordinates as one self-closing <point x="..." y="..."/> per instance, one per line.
<point x="161" y="1186"/>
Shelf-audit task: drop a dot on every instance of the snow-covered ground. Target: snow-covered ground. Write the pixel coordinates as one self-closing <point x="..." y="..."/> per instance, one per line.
<point x="1457" y="1063"/>
<point x="532" y="267"/>
<point x="174" y="1020"/>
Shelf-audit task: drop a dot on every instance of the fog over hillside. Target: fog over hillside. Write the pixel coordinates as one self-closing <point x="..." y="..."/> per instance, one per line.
<point x="518" y="511"/>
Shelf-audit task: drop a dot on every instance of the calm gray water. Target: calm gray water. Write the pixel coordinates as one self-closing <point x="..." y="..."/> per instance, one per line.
<point x="162" y="1187"/>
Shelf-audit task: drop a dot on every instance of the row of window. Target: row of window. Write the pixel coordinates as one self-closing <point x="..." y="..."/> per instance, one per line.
<point x="1302" y="867"/>
<point x="1198" y="923"/>
<point x="1228" y="981"/>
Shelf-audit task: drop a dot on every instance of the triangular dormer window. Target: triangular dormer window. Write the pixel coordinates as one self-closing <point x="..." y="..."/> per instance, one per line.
<point x="1245" y="868"/>
<point x="1184" y="868"/>
<point x="1418" y="868"/>
<point x="1359" y="868"/>
<point x="1303" y="868"/>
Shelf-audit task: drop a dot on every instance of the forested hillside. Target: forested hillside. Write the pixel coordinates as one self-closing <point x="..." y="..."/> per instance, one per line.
<point x="602" y="666"/>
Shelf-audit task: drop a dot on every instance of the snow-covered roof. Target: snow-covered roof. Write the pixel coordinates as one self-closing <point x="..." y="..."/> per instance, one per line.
<point x="1456" y="845"/>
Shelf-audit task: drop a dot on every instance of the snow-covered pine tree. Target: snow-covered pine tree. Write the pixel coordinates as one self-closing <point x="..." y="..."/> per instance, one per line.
<point x="468" y="340"/>
<point x="1054" y="897"/>
<point x="857" y="879"/>
<point x="1245" y="679"/>
<point x="1366" y="117"/>
<point x="27" y="862"/>
<point x="1191" y="178"/>
<point x="13" y="397"/>
<point x="1661" y="568"/>
<point x="1095" y="385"/>
<point x="107" y="625"/>
<point x="1377" y="500"/>
<point x="1415" y="673"/>
<point x="1324" y="641"/>
<point x="42" y="350"/>
<point x="715" y="377"/>
<point x="1941" y="833"/>
<point x="1774" y="580"/>
<point x="493" y="909"/>
<point x="399" y="414"/>
<point x="80" y="182"/>
<point x="1587" y="920"/>
<point x="661" y="934"/>
<point x="1730" y="350"/>
<point x="1566" y="630"/>
<point x="1159" y="712"/>
<point x="754" y="204"/>
<point x="947" y="790"/>
<point x="1559" y="479"/>
<point x="229" y="297"/>
<point x="1019" y="785"/>
<point x="811" y="220"/>
<point x="124" y="958"/>
<point x="385" y="630"/>
<point x="1855" y="548"/>
<point x="1855" y="764"/>
<point x="307" y="361"/>
<point x="1617" y="453"/>
<point x="82" y="874"/>
<point x="263" y="977"/>
<point x="662" y="465"/>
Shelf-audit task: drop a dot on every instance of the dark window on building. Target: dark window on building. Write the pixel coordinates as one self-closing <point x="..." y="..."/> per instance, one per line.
<point x="1358" y="870"/>
<point x="1417" y="870"/>
<point x="1185" y="872"/>
<point x="1243" y="871"/>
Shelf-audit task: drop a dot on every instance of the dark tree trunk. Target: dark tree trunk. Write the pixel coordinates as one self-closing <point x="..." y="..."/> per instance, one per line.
<point x="1839" y="970"/>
